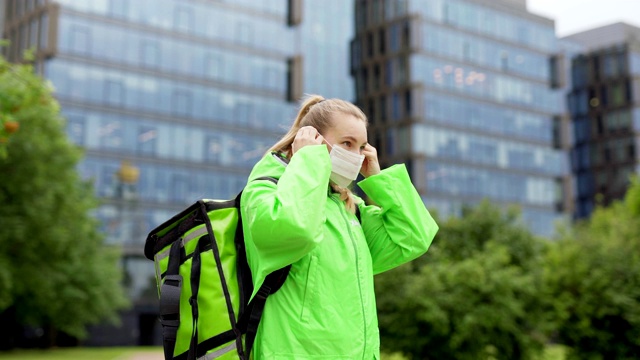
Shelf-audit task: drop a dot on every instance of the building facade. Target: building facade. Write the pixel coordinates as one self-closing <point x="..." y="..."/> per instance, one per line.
<point x="174" y="101"/>
<point x="605" y="108"/>
<point x="467" y="93"/>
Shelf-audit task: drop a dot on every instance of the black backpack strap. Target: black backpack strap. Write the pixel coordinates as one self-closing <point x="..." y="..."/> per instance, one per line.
<point x="250" y="319"/>
<point x="170" y="301"/>
<point x="193" y="301"/>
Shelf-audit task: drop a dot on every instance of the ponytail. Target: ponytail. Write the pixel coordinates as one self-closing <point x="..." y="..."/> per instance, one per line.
<point x="318" y="112"/>
<point x="284" y="144"/>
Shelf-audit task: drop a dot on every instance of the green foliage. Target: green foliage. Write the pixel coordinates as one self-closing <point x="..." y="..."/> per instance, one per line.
<point x="593" y="272"/>
<point x="475" y="295"/>
<point x="56" y="272"/>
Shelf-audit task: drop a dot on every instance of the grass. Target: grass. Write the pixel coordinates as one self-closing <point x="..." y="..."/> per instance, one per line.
<point x="102" y="353"/>
<point x="552" y="352"/>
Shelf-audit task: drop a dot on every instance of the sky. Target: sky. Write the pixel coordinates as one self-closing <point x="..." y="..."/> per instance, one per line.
<point x="574" y="16"/>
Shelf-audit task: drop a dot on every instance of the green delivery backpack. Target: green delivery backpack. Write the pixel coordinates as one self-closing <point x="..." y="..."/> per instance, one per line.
<point x="205" y="283"/>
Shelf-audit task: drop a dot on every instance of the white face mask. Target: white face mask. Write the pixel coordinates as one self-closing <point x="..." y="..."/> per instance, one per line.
<point x="345" y="166"/>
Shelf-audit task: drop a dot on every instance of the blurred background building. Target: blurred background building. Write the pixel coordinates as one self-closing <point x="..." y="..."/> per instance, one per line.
<point x="604" y="102"/>
<point x="175" y="100"/>
<point x="468" y="94"/>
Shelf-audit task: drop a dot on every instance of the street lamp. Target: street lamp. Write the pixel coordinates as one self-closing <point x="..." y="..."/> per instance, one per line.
<point x="128" y="176"/>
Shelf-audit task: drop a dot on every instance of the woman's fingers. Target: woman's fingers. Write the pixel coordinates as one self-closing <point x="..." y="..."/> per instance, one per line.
<point x="306" y="135"/>
<point x="370" y="166"/>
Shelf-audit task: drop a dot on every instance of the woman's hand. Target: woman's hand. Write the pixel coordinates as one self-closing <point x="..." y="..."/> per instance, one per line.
<point x="370" y="165"/>
<point x="307" y="135"/>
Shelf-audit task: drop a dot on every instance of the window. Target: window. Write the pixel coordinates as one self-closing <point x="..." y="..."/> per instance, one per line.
<point x="617" y="95"/>
<point x="408" y="103"/>
<point x="180" y="184"/>
<point x="181" y="102"/>
<point x="245" y="33"/>
<point x="213" y="150"/>
<point x="150" y="53"/>
<point x="554" y="71"/>
<point x="466" y="51"/>
<point x="557" y="132"/>
<point x="393" y="38"/>
<point x="214" y="66"/>
<point x="360" y="14"/>
<point x="388" y="73"/>
<point x="75" y="129"/>
<point x="294" y="78"/>
<point x="599" y="125"/>
<point x="396" y="106"/>
<point x="80" y="39"/>
<point x="504" y="60"/>
<point x="147" y="140"/>
<point x="245" y="114"/>
<point x="272" y="79"/>
<point x="24" y="38"/>
<point x="402" y="72"/>
<point x="610" y="66"/>
<point x="118" y="8"/>
<point x="390" y="141"/>
<point x="365" y="81"/>
<point x="19" y="7"/>
<point x="111" y="134"/>
<point x="383" y="108"/>
<point x="114" y="92"/>
<point x="377" y="15"/>
<point x="405" y="40"/>
<point x="183" y="19"/>
<point x="607" y="154"/>
<point x="595" y="66"/>
<point x="44" y="32"/>
<point x="33" y="34"/>
<point x="294" y="12"/>
<point x="376" y="76"/>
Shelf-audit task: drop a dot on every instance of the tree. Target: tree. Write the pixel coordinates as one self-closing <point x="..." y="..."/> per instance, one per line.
<point x="474" y="295"/>
<point x="56" y="272"/>
<point x="594" y="273"/>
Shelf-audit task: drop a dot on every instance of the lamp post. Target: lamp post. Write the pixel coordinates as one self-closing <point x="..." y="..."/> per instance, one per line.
<point x="126" y="194"/>
<point x="128" y="176"/>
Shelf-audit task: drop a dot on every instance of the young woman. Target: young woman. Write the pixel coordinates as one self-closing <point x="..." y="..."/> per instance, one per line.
<point x="326" y="308"/>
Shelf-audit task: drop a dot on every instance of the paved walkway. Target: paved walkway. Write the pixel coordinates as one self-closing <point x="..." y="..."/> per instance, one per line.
<point x="148" y="355"/>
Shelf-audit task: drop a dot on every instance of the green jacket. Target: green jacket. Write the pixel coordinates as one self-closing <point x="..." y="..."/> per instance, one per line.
<point x="326" y="308"/>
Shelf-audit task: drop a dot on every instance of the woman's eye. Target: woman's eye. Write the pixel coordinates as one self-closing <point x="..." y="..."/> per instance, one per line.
<point x="347" y="143"/>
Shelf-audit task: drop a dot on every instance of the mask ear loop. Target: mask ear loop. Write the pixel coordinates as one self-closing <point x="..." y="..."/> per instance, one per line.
<point x="324" y="141"/>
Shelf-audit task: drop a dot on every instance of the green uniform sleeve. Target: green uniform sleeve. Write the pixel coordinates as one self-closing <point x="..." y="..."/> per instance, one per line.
<point x="283" y="222"/>
<point x="399" y="228"/>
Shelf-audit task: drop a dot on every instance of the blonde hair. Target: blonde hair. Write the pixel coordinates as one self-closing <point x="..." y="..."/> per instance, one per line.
<point x="319" y="112"/>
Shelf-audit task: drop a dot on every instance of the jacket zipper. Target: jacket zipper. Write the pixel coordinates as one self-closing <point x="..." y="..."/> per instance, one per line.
<point x="355" y="249"/>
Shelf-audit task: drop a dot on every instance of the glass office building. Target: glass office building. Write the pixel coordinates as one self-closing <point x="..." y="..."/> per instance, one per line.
<point x="604" y="102"/>
<point x="175" y="101"/>
<point x="464" y="92"/>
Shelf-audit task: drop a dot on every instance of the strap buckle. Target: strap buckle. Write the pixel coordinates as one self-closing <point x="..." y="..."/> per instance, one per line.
<point x="170" y="300"/>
